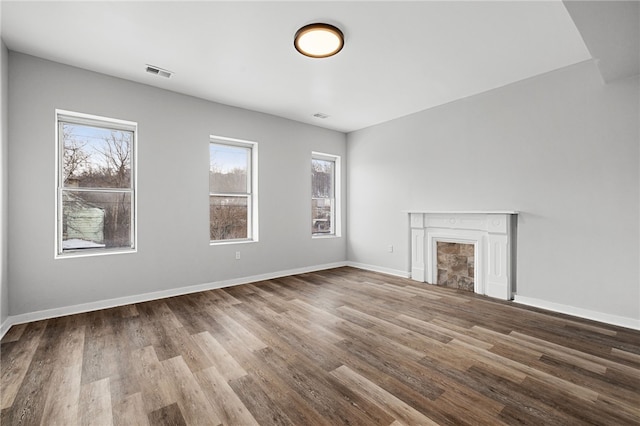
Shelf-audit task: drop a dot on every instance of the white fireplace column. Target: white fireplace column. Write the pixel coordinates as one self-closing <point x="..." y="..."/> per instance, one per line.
<point x="490" y="233"/>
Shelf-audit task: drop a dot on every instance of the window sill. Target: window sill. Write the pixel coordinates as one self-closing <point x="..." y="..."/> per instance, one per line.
<point x="324" y="237"/>
<point x="92" y="253"/>
<point x="229" y="242"/>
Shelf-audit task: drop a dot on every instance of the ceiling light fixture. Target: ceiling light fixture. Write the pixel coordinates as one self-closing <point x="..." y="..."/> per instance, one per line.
<point x="319" y="40"/>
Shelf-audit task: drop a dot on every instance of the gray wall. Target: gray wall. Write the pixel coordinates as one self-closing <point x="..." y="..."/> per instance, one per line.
<point x="562" y="148"/>
<point x="173" y="239"/>
<point x="4" y="144"/>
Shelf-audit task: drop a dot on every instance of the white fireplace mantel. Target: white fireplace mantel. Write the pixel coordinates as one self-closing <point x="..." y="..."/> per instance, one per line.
<point x="490" y="232"/>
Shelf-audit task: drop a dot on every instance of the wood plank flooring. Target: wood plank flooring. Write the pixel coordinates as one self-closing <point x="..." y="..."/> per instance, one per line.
<point x="342" y="346"/>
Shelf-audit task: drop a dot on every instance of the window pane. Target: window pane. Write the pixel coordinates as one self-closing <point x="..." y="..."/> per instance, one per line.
<point x="92" y="219"/>
<point x="322" y="215"/>
<point x="95" y="157"/>
<point x="228" y="217"/>
<point x="322" y="178"/>
<point x="228" y="168"/>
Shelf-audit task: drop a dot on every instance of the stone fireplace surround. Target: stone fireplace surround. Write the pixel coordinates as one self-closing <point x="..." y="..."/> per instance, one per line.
<point x="491" y="233"/>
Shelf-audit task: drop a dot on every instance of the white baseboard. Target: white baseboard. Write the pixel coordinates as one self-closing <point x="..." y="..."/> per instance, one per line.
<point x="5" y="326"/>
<point x="121" y="301"/>
<point x="145" y="297"/>
<point x="579" y="312"/>
<point x="388" y="271"/>
<point x="529" y="301"/>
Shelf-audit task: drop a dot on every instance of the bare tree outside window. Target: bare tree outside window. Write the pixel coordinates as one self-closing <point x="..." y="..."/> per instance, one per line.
<point x="96" y="192"/>
<point x="230" y="191"/>
<point x="322" y="196"/>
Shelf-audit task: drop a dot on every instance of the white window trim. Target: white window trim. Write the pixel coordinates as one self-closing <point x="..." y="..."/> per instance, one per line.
<point x="253" y="200"/>
<point x="111" y="123"/>
<point x="337" y="193"/>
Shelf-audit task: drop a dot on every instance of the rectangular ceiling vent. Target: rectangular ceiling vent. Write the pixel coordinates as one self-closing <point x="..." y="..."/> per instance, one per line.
<point x="151" y="69"/>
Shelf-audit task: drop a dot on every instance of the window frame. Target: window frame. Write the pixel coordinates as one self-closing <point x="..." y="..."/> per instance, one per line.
<point x="251" y="195"/>
<point x="337" y="207"/>
<point x="72" y="117"/>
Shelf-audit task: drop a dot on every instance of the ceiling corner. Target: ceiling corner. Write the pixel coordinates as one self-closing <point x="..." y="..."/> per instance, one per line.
<point x="611" y="32"/>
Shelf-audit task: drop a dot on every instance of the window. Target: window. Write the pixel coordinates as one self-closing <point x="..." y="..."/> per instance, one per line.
<point x="95" y="184"/>
<point x="232" y="190"/>
<point x="325" y="186"/>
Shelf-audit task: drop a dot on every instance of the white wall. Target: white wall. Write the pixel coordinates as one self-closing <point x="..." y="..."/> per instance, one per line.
<point x="562" y="148"/>
<point x="4" y="143"/>
<point x="173" y="230"/>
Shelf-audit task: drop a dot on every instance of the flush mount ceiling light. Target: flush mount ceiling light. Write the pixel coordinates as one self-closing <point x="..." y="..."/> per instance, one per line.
<point x="319" y="40"/>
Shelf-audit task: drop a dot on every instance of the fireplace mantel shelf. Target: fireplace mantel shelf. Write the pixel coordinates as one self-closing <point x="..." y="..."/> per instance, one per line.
<point x="462" y="211"/>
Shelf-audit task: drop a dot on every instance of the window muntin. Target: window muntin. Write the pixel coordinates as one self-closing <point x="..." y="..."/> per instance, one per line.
<point x="232" y="190"/>
<point x="95" y="185"/>
<point x="324" y="178"/>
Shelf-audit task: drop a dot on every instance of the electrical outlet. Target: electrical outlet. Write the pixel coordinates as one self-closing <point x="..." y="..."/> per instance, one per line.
<point x="237" y="255"/>
<point x="390" y="249"/>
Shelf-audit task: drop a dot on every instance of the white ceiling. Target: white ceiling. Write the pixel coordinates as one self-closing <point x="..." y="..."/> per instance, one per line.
<point x="399" y="57"/>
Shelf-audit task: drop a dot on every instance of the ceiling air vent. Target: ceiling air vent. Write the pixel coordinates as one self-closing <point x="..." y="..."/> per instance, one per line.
<point x="151" y="69"/>
<point x="320" y="115"/>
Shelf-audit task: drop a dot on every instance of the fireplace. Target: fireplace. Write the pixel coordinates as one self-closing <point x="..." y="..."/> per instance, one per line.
<point x="455" y="265"/>
<point x="489" y="235"/>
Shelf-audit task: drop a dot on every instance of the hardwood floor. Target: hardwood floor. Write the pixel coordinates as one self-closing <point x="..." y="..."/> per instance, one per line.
<point x="342" y="346"/>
